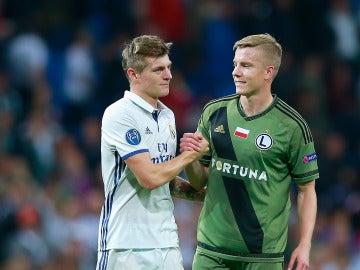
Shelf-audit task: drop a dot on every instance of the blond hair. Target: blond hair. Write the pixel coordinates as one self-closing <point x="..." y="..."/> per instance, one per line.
<point x="271" y="48"/>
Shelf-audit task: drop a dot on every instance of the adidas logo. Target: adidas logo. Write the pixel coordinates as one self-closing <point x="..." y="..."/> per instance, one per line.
<point x="148" y="131"/>
<point x="220" y="129"/>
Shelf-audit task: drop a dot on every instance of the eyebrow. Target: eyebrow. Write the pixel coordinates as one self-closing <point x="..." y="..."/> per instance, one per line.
<point x="161" y="66"/>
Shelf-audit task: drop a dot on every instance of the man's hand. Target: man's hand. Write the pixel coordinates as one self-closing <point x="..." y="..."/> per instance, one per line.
<point x="193" y="142"/>
<point x="299" y="258"/>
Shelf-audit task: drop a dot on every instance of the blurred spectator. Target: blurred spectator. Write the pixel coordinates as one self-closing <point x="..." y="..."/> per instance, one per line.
<point x="289" y="73"/>
<point x="171" y="25"/>
<point x="336" y="252"/>
<point x="180" y="100"/>
<point x="112" y="80"/>
<point x="309" y="95"/>
<point x="74" y="173"/>
<point x="284" y="23"/>
<point x="39" y="132"/>
<point x="346" y="30"/>
<point x="10" y="99"/>
<point x="28" y="59"/>
<point x="344" y="108"/>
<point x="7" y="28"/>
<point x="11" y="111"/>
<point x="79" y="80"/>
<point x="20" y="222"/>
<point x="89" y="140"/>
<point x="315" y="32"/>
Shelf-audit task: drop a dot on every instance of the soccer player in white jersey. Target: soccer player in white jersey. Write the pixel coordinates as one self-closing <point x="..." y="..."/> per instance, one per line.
<point x="138" y="144"/>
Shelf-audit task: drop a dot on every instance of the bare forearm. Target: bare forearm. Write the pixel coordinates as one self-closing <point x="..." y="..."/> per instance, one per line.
<point x="180" y="188"/>
<point x="307" y="209"/>
<point x="162" y="172"/>
<point x="152" y="175"/>
<point x="197" y="174"/>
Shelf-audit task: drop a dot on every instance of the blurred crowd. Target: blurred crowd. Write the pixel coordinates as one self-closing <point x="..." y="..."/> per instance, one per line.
<point x="60" y="66"/>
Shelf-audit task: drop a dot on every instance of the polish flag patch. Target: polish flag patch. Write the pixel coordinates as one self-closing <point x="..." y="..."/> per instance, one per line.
<point x="241" y="132"/>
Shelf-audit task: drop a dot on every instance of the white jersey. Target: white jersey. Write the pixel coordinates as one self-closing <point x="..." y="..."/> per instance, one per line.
<point x="132" y="216"/>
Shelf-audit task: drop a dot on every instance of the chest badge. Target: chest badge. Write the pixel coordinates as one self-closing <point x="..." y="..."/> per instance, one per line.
<point x="172" y="132"/>
<point x="242" y="132"/>
<point x="264" y="141"/>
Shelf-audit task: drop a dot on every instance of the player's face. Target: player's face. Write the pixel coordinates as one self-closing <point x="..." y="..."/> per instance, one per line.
<point x="154" y="80"/>
<point x="249" y="71"/>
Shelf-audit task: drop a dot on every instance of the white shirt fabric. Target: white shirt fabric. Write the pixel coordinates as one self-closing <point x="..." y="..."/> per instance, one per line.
<point x="133" y="217"/>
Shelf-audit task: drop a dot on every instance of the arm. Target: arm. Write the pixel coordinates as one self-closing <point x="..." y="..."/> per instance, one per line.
<point x="195" y="171"/>
<point x="150" y="175"/>
<point x="181" y="189"/>
<point x="197" y="174"/>
<point x="307" y="209"/>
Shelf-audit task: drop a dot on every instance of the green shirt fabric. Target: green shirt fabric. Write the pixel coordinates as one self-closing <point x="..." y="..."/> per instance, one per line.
<point x="252" y="161"/>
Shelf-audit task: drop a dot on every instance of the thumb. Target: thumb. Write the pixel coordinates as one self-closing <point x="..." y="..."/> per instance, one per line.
<point x="198" y="134"/>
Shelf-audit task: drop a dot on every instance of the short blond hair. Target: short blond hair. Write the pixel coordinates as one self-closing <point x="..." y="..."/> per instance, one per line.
<point x="271" y="48"/>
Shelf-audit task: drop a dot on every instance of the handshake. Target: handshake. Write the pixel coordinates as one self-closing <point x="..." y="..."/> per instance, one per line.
<point x="195" y="143"/>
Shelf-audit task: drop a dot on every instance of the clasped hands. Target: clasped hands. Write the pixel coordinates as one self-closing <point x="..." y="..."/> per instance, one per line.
<point x="194" y="142"/>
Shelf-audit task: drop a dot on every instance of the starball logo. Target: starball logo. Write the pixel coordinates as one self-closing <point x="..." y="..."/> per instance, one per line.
<point x="309" y="158"/>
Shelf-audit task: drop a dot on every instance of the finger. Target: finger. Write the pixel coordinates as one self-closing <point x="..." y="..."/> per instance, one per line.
<point x="291" y="263"/>
<point x="198" y="135"/>
<point x="190" y="146"/>
<point x="190" y="141"/>
<point x="189" y="135"/>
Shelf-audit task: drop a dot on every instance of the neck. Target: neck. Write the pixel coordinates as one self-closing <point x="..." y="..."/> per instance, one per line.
<point x="152" y="101"/>
<point x="254" y="105"/>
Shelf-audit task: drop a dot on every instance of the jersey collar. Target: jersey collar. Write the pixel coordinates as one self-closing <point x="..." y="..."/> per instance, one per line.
<point x="141" y="102"/>
<point x="248" y="118"/>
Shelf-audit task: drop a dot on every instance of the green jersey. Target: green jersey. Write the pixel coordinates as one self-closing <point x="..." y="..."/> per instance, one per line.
<point x="252" y="161"/>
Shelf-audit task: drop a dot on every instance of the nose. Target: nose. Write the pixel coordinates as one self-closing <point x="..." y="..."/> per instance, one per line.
<point x="236" y="71"/>
<point x="167" y="74"/>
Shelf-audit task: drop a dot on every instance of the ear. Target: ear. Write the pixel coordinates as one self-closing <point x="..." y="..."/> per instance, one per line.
<point x="131" y="73"/>
<point x="269" y="72"/>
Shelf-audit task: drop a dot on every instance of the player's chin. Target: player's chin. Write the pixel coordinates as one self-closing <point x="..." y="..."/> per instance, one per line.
<point x="240" y="90"/>
<point x="164" y="92"/>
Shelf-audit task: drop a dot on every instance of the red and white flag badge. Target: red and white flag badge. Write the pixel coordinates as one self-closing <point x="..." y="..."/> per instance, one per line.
<point x="241" y="132"/>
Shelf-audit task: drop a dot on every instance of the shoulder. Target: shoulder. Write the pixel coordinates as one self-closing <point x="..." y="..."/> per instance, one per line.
<point x="221" y="102"/>
<point x="116" y="106"/>
<point x="288" y="112"/>
<point x="292" y="118"/>
<point x="122" y="108"/>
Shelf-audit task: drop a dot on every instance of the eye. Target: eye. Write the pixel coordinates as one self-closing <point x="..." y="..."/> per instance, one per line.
<point x="158" y="70"/>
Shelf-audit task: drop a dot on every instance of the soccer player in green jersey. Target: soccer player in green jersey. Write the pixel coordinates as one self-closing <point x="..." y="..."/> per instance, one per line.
<point x="258" y="145"/>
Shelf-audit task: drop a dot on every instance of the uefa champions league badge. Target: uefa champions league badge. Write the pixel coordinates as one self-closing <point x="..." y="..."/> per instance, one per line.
<point x="309" y="158"/>
<point x="133" y="136"/>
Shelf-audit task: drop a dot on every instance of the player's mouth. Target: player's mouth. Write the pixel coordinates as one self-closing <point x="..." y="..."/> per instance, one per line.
<point x="239" y="83"/>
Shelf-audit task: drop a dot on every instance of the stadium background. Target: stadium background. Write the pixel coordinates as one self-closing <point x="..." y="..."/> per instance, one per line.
<point x="60" y="67"/>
